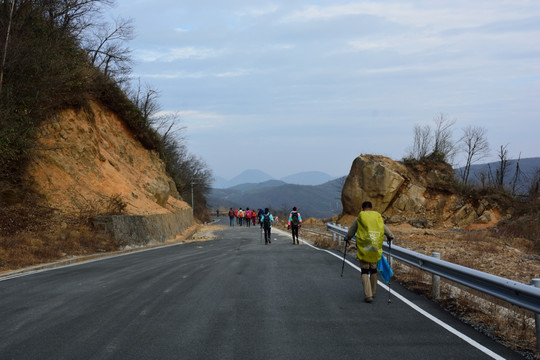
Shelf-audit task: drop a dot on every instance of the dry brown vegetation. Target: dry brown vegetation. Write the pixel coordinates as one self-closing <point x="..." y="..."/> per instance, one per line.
<point x="32" y="233"/>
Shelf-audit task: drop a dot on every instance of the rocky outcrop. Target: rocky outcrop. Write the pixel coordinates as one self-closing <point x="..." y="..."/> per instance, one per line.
<point x="373" y="178"/>
<point x="86" y="157"/>
<point x="418" y="194"/>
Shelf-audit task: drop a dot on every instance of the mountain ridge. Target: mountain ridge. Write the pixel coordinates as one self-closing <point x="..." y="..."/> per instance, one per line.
<point x="319" y="201"/>
<point x="528" y="168"/>
<point x="251" y="176"/>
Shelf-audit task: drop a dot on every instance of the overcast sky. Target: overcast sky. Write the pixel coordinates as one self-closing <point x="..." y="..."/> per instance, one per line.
<point x="286" y="86"/>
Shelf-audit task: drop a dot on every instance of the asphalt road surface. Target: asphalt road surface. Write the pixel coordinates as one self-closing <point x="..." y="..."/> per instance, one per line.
<point x="230" y="298"/>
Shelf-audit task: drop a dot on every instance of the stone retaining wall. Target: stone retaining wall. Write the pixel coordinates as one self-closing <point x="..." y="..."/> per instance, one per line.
<point x="144" y="229"/>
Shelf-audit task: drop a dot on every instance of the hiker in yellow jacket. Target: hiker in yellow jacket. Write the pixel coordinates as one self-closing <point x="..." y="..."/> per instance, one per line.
<point x="369" y="230"/>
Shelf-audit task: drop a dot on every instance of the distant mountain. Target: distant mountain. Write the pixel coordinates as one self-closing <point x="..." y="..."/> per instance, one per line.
<point x="319" y="201"/>
<point x="265" y="184"/>
<point x="253" y="176"/>
<point x="308" y="178"/>
<point x="527" y="171"/>
<point x="248" y="176"/>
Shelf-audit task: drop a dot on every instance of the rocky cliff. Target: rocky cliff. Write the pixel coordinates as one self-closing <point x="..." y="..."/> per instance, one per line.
<point x="88" y="158"/>
<point x="419" y="194"/>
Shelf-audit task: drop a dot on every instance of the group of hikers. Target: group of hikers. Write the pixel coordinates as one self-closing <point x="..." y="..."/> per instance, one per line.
<point x="264" y="218"/>
<point x="245" y="217"/>
<point x="368" y="228"/>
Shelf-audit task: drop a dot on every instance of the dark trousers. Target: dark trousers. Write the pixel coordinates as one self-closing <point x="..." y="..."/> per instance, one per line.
<point x="267" y="236"/>
<point x="294" y="229"/>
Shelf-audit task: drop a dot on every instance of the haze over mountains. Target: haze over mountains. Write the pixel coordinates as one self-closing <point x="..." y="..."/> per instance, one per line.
<point x="258" y="176"/>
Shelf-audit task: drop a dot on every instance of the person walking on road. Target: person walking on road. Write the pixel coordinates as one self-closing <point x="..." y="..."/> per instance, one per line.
<point x="247" y="216"/>
<point x="294" y="223"/>
<point x="369" y="230"/>
<point x="231" y="217"/>
<point x="267" y="219"/>
<point x="240" y="216"/>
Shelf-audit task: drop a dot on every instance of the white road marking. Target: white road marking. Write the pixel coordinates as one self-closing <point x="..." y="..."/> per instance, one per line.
<point x="413" y="306"/>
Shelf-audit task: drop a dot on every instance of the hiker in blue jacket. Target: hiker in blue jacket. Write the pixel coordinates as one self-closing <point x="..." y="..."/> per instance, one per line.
<point x="294" y="223"/>
<point x="267" y="219"/>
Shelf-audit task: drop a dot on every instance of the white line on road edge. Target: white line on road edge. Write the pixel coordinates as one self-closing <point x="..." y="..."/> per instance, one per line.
<point x="79" y="261"/>
<point x="415" y="307"/>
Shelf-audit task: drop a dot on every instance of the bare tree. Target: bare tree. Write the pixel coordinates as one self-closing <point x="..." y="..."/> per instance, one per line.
<point x="72" y="16"/>
<point x="107" y="51"/>
<point x="145" y="97"/>
<point x="422" y="142"/>
<point x="443" y="145"/>
<point x="476" y="147"/>
<point x="517" y="175"/>
<point x="168" y="124"/>
<point x="503" y="166"/>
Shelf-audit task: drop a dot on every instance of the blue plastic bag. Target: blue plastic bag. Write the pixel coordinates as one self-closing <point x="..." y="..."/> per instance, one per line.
<point x="384" y="269"/>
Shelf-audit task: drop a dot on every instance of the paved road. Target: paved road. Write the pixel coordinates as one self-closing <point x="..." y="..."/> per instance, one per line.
<point x="231" y="298"/>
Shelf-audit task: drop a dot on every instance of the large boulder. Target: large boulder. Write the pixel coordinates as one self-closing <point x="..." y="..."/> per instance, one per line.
<point x="419" y="193"/>
<point x="372" y="178"/>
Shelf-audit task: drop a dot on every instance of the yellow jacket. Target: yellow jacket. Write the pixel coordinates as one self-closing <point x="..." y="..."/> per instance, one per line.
<point x="370" y="230"/>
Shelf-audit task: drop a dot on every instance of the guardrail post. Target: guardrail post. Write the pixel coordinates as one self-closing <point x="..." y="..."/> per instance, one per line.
<point x="536" y="283"/>
<point x="436" y="280"/>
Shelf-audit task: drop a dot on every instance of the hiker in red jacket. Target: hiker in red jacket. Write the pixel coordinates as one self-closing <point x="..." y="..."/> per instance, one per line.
<point x="248" y="217"/>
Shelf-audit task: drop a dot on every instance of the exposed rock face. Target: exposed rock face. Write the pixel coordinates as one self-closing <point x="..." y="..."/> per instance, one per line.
<point x="90" y="156"/>
<point x="420" y="194"/>
<point x="373" y="178"/>
<point x="144" y="229"/>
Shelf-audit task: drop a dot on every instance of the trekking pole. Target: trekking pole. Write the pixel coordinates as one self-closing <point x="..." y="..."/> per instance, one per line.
<point x="389" y="257"/>
<point x="344" y="254"/>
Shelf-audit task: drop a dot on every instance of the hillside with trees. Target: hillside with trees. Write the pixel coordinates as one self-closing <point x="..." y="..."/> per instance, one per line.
<point x="62" y="56"/>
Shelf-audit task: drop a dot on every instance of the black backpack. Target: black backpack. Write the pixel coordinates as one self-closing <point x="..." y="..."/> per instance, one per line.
<point x="294" y="218"/>
<point x="266" y="221"/>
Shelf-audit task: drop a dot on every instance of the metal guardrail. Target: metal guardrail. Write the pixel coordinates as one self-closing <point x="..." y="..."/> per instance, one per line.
<point x="525" y="296"/>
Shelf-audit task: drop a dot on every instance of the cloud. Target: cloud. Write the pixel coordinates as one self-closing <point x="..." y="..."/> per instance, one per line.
<point x="254" y="74"/>
<point x="173" y="75"/>
<point x="440" y="16"/>
<point x="196" y="120"/>
<point x="258" y="11"/>
<point x="197" y="75"/>
<point x="173" y="54"/>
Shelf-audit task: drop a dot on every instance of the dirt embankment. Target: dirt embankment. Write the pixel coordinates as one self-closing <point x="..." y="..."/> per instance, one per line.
<point x="86" y="163"/>
<point x="89" y="156"/>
